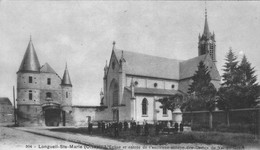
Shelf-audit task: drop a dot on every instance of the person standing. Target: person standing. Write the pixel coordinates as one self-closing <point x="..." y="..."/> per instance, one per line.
<point x="157" y="128"/>
<point x="90" y="127"/>
<point x="120" y="126"/>
<point x="116" y="132"/>
<point x="176" y="126"/>
<point x="146" y="129"/>
<point x="125" y="125"/>
<point x="138" y="129"/>
<point x="181" y="127"/>
<point x="103" y="126"/>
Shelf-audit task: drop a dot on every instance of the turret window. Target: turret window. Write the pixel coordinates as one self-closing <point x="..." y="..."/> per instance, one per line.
<point x="30" y="79"/>
<point x="67" y="94"/>
<point x="49" y="81"/>
<point x="30" y="95"/>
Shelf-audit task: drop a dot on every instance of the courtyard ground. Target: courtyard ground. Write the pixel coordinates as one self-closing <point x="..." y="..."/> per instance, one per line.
<point x="18" y="138"/>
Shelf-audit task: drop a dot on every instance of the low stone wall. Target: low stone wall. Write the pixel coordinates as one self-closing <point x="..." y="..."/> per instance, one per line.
<point x="244" y="117"/>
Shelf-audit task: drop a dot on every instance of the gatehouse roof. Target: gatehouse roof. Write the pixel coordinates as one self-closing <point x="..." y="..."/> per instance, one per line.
<point x="30" y="60"/>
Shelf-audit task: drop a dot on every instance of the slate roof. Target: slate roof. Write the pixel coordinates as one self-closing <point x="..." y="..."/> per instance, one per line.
<point x="5" y="100"/>
<point x="46" y="68"/>
<point x="159" y="67"/>
<point x="30" y="60"/>
<point x="188" y="67"/>
<point x="153" y="91"/>
<point x="66" y="77"/>
<point x="147" y="65"/>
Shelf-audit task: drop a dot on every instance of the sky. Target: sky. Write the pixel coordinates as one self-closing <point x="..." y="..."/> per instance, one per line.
<point x="81" y="33"/>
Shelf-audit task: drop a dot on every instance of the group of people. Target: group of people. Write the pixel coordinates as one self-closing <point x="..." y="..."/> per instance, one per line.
<point x="135" y="127"/>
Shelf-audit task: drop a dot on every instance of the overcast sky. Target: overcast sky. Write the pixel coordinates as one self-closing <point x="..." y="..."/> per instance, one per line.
<point x="82" y="32"/>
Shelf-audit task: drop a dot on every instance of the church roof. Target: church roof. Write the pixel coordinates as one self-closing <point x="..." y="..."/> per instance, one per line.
<point x="147" y="65"/>
<point x="66" y="77"/>
<point x="30" y="60"/>
<point x="188" y="67"/>
<point x="5" y="100"/>
<point x="46" y="68"/>
<point x="153" y="91"/>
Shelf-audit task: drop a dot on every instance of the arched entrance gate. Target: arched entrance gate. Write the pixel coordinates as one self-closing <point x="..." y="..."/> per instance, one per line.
<point x="53" y="114"/>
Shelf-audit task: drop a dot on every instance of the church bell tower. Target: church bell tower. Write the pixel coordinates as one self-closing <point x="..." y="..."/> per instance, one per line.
<point x="207" y="43"/>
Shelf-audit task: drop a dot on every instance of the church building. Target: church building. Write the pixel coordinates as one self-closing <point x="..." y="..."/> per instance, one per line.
<point x="43" y="97"/>
<point x="133" y="82"/>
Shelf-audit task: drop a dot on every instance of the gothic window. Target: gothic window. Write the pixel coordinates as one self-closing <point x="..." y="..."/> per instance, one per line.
<point x="48" y="95"/>
<point x="115" y="97"/>
<point x="67" y="94"/>
<point x="113" y="65"/>
<point x="30" y="79"/>
<point x="30" y="95"/>
<point x="144" y="106"/>
<point x="49" y="81"/>
<point x="164" y="111"/>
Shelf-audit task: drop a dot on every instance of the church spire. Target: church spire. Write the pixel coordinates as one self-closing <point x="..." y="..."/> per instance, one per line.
<point x="66" y="77"/>
<point x="30" y="60"/>
<point x="206" y="32"/>
<point x="207" y="43"/>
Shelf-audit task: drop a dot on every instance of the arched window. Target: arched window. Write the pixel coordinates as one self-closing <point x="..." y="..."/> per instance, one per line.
<point x="144" y="106"/>
<point x="30" y="95"/>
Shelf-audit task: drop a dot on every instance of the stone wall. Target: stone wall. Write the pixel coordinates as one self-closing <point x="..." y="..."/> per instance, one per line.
<point x="81" y="115"/>
<point x="239" y="116"/>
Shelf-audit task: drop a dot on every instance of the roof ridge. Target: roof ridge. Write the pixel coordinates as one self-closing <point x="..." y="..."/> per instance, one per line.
<point x="119" y="50"/>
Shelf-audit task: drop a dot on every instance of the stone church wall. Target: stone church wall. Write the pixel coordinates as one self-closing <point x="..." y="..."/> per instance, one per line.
<point x="149" y="83"/>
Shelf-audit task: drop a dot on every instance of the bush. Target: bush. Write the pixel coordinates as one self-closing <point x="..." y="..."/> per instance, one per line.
<point x="200" y="127"/>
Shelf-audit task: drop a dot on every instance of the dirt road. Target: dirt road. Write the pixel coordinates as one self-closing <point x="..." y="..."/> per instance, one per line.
<point x="12" y="139"/>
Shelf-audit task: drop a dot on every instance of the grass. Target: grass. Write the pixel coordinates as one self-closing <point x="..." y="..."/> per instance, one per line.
<point x="229" y="139"/>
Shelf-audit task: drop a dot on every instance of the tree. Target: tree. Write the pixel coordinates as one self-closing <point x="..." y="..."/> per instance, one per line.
<point x="203" y="91"/>
<point x="247" y="84"/>
<point x="230" y="69"/>
<point x="172" y="102"/>
<point x="239" y="89"/>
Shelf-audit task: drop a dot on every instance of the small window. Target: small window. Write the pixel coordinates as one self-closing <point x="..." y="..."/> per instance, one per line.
<point x="49" y="81"/>
<point x="30" y="95"/>
<point x="173" y="86"/>
<point x="30" y="79"/>
<point x="155" y="84"/>
<point x="67" y="94"/>
<point x="48" y="95"/>
<point x="136" y="83"/>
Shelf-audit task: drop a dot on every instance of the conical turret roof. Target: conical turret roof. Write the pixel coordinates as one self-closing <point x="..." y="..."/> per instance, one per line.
<point x="66" y="77"/>
<point x="30" y="60"/>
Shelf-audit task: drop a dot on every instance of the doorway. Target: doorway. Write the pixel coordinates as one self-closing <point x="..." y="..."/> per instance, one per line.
<point x="52" y="117"/>
<point x="115" y="115"/>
